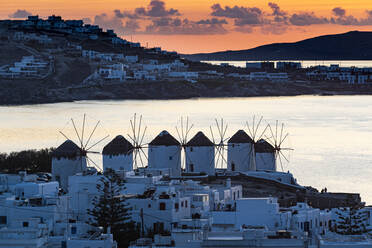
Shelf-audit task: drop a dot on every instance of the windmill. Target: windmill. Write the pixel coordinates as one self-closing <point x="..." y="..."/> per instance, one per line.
<point x="218" y="133"/>
<point x="137" y="136"/>
<point x="279" y="140"/>
<point x="85" y="145"/>
<point x="255" y="129"/>
<point x="183" y="131"/>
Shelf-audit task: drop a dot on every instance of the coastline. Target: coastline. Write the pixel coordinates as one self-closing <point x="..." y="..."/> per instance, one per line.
<point x="178" y="91"/>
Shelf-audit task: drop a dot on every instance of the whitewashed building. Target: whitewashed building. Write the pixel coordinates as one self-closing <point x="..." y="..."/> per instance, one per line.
<point x="200" y="155"/>
<point x="118" y="155"/>
<point x="240" y="153"/>
<point x="164" y="152"/>
<point x="265" y="156"/>
<point x="161" y="208"/>
<point x="67" y="160"/>
<point x="259" y="212"/>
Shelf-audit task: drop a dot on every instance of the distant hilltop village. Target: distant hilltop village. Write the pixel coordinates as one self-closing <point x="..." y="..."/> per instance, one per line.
<point x="72" y="27"/>
<point x="56" y="60"/>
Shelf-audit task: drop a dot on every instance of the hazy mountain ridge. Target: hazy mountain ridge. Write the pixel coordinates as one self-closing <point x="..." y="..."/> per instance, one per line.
<point x="353" y="45"/>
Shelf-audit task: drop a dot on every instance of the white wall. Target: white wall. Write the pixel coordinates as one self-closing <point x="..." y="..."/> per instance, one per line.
<point x="165" y="157"/>
<point x="202" y="157"/>
<point x="118" y="162"/>
<point x="63" y="168"/>
<point x="265" y="161"/>
<point x="242" y="156"/>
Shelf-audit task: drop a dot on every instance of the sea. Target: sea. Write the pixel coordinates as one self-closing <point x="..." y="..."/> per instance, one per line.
<point x="331" y="136"/>
<point x="306" y="63"/>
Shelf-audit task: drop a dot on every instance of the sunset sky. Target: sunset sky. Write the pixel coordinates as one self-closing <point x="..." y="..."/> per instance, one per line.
<point x="190" y="26"/>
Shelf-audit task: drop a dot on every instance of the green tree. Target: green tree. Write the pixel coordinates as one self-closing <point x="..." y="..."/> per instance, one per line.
<point x="111" y="210"/>
<point x="351" y="221"/>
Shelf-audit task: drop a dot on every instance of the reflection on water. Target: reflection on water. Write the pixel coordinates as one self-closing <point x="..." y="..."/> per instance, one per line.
<point x="331" y="135"/>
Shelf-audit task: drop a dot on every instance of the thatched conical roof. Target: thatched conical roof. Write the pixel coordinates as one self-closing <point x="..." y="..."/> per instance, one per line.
<point x="200" y="140"/>
<point x="240" y="137"/>
<point x="118" y="146"/>
<point x="164" y="139"/>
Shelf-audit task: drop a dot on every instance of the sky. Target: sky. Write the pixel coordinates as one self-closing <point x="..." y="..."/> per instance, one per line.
<point x="191" y="26"/>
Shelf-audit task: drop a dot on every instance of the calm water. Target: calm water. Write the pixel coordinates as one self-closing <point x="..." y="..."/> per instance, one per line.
<point x="332" y="136"/>
<point x="308" y="63"/>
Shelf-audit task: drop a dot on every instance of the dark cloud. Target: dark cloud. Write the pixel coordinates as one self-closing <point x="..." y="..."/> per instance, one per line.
<point x="278" y="14"/>
<point x="306" y="19"/>
<point x="241" y="15"/>
<point x="119" y="25"/>
<point x="157" y="9"/>
<point x="341" y="18"/>
<point x="163" y="21"/>
<point x="21" y="13"/>
<point x="338" y="11"/>
<point x="157" y="18"/>
<point x="173" y="26"/>
<point x="212" y="21"/>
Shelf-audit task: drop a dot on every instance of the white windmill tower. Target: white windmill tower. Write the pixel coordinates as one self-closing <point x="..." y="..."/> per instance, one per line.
<point x="118" y="155"/>
<point x="240" y="152"/>
<point x="72" y="157"/>
<point x="199" y="154"/>
<point x="241" y="146"/>
<point x="265" y="156"/>
<point x="164" y="154"/>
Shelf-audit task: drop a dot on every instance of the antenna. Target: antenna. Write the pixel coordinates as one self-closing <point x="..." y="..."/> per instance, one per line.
<point x="85" y="146"/>
<point x="137" y="135"/>
<point x="218" y="133"/>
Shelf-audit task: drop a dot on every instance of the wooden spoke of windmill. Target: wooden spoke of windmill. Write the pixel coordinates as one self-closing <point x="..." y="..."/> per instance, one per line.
<point x="278" y="139"/>
<point x="137" y="135"/>
<point x="85" y="139"/>
<point x="218" y="133"/>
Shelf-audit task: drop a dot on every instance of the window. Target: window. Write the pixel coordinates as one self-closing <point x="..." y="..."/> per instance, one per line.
<point x="185" y="204"/>
<point x="176" y="206"/>
<point x="73" y="230"/>
<point x="3" y="220"/>
<point x="170" y="157"/>
<point x="232" y="166"/>
<point x="234" y="196"/>
<point x="191" y="149"/>
<point x="162" y="206"/>
<point x="192" y="167"/>
<point x="25" y="224"/>
<point x="181" y="204"/>
<point x="149" y="206"/>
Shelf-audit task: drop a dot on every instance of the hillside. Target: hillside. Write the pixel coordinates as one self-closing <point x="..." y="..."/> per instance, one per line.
<point x="353" y="45"/>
